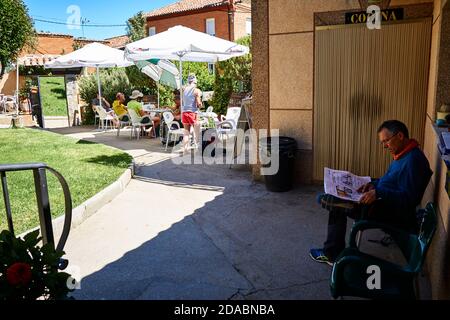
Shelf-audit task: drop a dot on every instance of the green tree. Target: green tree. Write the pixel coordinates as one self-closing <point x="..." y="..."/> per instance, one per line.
<point x="16" y="31"/>
<point x="234" y="75"/>
<point x="136" y="31"/>
<point x="204" y="77"/>
<point x="136" y="27"/>
<point x="77" y="45"/>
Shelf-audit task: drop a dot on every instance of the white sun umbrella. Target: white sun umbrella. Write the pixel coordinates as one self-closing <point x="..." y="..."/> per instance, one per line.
<point x="184" y="44"/>
<point x="162" y="71"/>
<point x="95" y="55"/>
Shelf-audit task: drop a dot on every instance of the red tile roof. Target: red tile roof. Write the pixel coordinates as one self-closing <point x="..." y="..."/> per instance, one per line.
<point x="91" y="40"/>
<point x="118" y="42"/>
<point x="186" y="5"/>
<point x="55" y="35"/>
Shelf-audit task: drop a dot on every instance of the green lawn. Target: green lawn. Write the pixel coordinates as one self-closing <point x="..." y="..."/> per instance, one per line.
<point x="87" y="167"/>
<point x="53" y="94"/>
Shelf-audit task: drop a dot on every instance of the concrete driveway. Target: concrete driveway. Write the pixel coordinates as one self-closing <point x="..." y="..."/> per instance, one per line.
<point x="197" y="232"/>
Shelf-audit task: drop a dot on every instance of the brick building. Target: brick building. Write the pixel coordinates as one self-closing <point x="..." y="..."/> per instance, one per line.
<point x="48" y="46"/>
<point x="226" y="19"/>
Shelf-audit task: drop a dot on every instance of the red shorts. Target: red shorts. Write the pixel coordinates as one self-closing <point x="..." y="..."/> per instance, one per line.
<point x="189" y="118"/>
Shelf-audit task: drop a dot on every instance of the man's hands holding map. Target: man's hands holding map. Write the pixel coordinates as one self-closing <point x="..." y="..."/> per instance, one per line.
<point x="369" y="194"/>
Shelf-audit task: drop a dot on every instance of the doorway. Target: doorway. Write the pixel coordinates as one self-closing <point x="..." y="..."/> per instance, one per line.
<point x="362" y="78"/>
<point x="54" y="101"/>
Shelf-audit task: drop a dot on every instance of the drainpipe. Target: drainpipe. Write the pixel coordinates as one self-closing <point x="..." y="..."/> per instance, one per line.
<point x="231" y="11"/>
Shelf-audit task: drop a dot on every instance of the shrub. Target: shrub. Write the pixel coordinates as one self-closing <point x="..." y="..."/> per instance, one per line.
<point x="200" y="69"/>
<point x="112" y="81"/>
<point x="234" y="75"/>
<point x="87" y="115"/>
<point x="223" y="88"/>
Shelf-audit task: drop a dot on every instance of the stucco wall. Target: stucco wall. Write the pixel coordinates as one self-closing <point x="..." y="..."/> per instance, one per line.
<point x="260" y="74"/>
<point x="438" y="259"/>
<point x="291" y="61"/>
<point x="291" y="71"/>
<point x="8" y="83"/>
<point x="240" y="17"/>
<point x="55" y="44"/>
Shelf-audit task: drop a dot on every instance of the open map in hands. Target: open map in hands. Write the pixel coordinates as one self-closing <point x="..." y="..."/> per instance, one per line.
<point x="343" y="184"/>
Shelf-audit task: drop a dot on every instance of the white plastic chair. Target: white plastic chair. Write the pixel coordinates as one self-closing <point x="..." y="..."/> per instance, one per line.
<point x="105" y="118"/>
<point x="8" y="105"/>
<point x="208" y="119"/>
<point x="136" y="123"/>
<point x="176" y="132"/>
<point x="233" y="113"/>
<point x="227" y="128"/>
<point x="123" y="124"/>
<point x="96" y="117"/>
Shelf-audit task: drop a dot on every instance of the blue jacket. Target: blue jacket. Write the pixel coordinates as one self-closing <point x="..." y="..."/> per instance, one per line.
<point x="402" y="187"/>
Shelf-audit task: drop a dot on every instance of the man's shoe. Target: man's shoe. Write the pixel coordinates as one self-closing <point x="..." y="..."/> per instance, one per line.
<point x="319" y="256"/>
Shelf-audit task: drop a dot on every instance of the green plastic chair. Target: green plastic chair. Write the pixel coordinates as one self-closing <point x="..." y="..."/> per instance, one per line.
<point x="350" y="272"/>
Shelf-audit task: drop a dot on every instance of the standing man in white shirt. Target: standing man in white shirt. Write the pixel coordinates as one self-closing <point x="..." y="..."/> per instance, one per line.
<point x="192" y="102"/>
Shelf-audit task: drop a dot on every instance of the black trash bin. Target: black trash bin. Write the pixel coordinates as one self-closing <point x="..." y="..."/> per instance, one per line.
<point x="37" y="113"/>
<point x="283" y="179"/>
<point x="36" y="108"/>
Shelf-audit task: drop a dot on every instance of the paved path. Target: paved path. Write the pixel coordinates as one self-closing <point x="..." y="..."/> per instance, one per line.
<point x="197" y="232"/>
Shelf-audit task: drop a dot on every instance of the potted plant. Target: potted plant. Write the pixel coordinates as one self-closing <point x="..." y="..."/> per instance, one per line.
<point x="24" y="103"/>
<point x="30" y="272"/>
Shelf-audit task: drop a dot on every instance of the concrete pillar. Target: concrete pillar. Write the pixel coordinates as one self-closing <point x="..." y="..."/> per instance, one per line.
<point x="72" y="100"/>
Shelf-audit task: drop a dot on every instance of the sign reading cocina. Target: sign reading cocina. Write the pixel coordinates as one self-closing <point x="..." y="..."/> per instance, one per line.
<point x="362" y="17"/>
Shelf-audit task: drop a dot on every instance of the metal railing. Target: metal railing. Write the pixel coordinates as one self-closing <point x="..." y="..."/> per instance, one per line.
<point x="43" y="203"/>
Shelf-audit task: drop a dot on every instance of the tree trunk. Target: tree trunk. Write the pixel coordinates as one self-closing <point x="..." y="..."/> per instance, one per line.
<point x="2" y="67"/>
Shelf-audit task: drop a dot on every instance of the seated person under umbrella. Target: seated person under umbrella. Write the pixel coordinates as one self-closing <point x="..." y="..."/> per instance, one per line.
<point x="119" y="107"/>
<point x="135" y="104"/>
<point x="176" y="109"/>
<point x="105" y="104"/>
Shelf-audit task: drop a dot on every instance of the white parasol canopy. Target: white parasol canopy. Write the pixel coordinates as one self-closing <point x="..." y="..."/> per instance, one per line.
<point x="183" y="44"/>
<point x="95" y="55"/>
<point x="91" y="55"/>
<point x="186" y="43"/>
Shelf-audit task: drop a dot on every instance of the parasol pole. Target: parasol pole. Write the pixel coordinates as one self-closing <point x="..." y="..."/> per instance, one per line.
<point x="17" y="85"/>
<point x="157" y="85"/>
<point x="181" y="83"/>
<point x="99" y="87"/>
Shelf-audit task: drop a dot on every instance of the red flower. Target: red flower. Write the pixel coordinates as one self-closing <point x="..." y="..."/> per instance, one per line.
<point x="19" y="274"/>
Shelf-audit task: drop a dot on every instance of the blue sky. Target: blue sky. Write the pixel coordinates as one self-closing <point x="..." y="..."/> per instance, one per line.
<point x="111" y="12"/>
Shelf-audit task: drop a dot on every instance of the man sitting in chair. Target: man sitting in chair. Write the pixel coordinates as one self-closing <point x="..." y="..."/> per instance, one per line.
<point x="392" y="199"/>
<point x="119" y="107"/>
<point x="136" y="105"/>
<point x="105" y="103"/>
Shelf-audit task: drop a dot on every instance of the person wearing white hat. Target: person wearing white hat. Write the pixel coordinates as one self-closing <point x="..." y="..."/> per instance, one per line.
<point x="192" y="102"/>
<point x="135" y="102"/>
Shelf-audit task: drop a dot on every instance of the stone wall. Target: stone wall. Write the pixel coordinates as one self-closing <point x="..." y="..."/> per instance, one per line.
<point x="72" y="100"/>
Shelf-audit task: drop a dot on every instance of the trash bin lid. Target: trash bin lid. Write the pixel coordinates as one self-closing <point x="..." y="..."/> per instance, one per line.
<point x="285" y="143"/>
